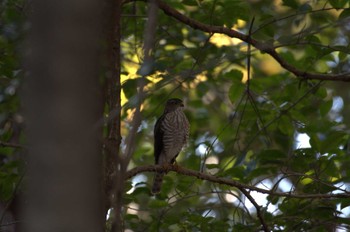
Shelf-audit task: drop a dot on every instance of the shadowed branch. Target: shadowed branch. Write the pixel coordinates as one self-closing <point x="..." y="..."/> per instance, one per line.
<point x="228" y="182"/>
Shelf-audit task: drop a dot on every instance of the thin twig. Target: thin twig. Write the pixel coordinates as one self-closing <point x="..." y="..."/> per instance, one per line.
<point x="257" y="207"/>
<point x="275" y="20"/>
<point x="14" y="145"/>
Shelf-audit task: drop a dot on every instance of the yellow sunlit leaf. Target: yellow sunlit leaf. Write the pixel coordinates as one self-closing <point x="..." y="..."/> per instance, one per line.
<point x="306" y="181"/>
<point x="199" y="78"/>
<point x="269" y="65"/>
<point x="156" y="77"/>
<point x="240" y="24"/>
<point x="223" y="40"/>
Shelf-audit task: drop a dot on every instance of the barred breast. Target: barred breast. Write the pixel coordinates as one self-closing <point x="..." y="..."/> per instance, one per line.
<point x="176" y="131"/>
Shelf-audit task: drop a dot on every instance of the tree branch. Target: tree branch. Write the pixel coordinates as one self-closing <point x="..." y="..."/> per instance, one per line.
<point x="14" y="145"/>
<point x="230" y="182"/>
<point x="257" y="207"/>
<point x="262" y="46"/>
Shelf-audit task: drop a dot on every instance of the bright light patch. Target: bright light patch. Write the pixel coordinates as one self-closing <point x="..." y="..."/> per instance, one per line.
<point x="338" y="104"/>
<point x="135" y="180"/>
<point x="285" y="185"/>
<point x="223" y="40"/>
<point x="231" y="198"/>
<point x="212" y="160"/>
<point x="109" y="212"/>
<point x="132" y="208"/>
<point x="201" y="149"/>
<point x="302" y="141"/>
<point x="260" y="198"/>
<point x="209" y="213"/>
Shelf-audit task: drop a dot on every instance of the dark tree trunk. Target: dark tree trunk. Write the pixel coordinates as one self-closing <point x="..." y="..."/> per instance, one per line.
<point x="62" y="106"/>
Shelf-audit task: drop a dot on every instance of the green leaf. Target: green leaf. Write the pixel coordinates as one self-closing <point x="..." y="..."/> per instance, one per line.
<point x="305" y="8"/>
<point x="257" y="172"/>
<point x="237" y="88"/>
<point x="326" y="107"/>
<point x="190" y="2"/>
<point x="285" y="125"/>
<point x="157" y="203"/>
<point x="313" y="39"/>
<point x="333" y="140"/>
<point x="288" y="56"/>
<point x="344" y="14"/>
<point x="211" y="166"/>
<point x="322" y="92"/>
<point x="130" y="87"/>
<point x="338" y="3"/>
<point x="271" y="157"/>
<point x="343" y="56"/>
<point x="291" y="3"/>
<point x="344" y="203"/>
<point x="273" y="199"/>
<point x="234" y="173"/>
<point x="232" y="11"/>
<point x="315" y="142"/>
<point x="270" y="32"/>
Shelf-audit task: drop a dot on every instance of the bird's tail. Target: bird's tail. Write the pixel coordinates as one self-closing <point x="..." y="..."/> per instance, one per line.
<point x="157" y="182"/>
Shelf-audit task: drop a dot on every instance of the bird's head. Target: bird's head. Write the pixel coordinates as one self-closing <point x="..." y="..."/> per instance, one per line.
<point x="173" y="104"/>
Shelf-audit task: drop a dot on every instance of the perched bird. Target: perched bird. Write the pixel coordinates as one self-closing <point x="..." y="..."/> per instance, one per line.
<point x="170" y="135"/>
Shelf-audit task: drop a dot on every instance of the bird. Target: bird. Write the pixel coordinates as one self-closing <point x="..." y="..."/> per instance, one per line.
<point x="171" y="133"/>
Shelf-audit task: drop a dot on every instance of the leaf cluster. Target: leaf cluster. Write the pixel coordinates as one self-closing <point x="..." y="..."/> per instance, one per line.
<point x="245" y="130"/>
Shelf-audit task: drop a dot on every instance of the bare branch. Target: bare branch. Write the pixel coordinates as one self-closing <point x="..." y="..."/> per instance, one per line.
<point x="230" y="182"/>
<point x="257" y="207"/>
<point x="14" y="145"/>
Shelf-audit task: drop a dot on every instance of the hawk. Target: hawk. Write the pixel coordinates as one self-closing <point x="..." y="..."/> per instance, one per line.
<point x="170" y="135"/>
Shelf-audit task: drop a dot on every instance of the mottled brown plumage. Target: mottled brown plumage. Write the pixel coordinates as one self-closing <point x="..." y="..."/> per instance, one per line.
<point x="170" y="135"/>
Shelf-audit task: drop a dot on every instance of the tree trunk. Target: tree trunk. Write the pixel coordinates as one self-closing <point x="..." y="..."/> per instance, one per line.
<point x="62" y="106"/>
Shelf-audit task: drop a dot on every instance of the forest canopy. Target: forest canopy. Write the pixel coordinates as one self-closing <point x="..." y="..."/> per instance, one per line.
<point x="265" y="89"/>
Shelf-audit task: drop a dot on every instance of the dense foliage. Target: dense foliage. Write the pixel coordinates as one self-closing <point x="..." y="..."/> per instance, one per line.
<point x="253" y="120"/>
<point x="244" y="131"/>
<point x="11" y="121"/>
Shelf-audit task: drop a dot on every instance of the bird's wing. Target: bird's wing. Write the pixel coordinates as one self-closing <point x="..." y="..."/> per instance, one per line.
<point x="158" y="139"/>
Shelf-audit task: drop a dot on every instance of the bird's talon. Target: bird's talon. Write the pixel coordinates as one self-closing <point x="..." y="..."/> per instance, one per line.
<point x="176" y="166"/>
<point x="166" y="167"/>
